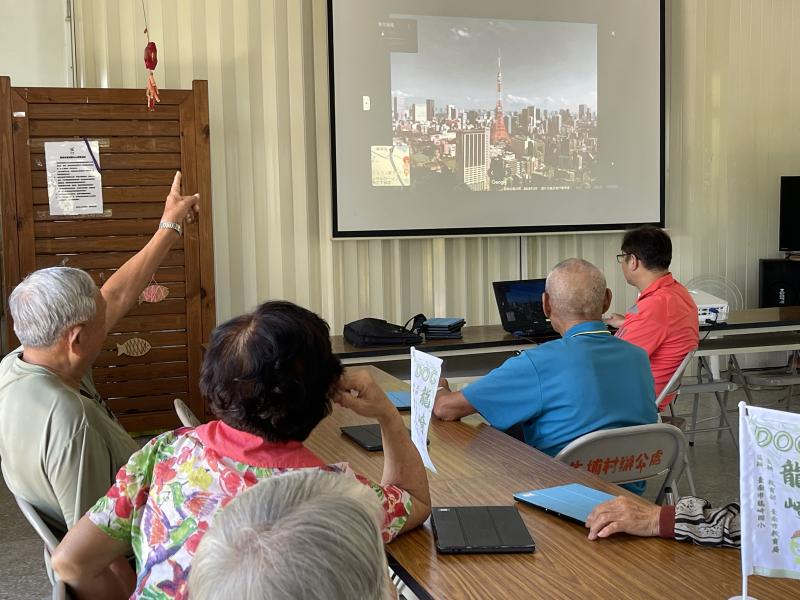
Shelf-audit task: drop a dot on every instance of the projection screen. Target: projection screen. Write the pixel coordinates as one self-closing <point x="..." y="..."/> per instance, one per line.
<point x="471" y="117"/>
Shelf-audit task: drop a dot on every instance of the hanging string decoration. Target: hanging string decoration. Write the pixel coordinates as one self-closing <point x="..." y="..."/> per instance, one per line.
<point x="155" y="292"/>
<point x="150" y="62"/>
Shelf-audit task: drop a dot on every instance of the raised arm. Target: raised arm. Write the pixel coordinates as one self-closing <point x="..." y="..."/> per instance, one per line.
<point x="402" y="465"/>
<point x="123" y="288"/>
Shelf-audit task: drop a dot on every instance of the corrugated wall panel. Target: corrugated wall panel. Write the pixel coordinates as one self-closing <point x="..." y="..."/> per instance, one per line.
<point x="734" y="127"/>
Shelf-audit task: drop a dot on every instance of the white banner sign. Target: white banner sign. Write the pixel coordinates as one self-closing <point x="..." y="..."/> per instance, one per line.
<point x="425" y="371"/>
<point x="770" y="491"/>
<point x="74" y="184"/>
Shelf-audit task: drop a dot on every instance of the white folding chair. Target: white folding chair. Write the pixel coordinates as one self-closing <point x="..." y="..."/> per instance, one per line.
<point x="185" y="414"/>
<point x="46" y="535"/>
<point x="673" y="387"/>
<point x="628" y="454"/>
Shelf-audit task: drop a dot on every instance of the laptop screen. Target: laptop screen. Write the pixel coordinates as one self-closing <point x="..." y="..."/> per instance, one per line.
<point x="520" y="303"/>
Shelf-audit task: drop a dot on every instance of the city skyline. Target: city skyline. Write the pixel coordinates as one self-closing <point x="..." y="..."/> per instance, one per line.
<point x="548" y="64"/>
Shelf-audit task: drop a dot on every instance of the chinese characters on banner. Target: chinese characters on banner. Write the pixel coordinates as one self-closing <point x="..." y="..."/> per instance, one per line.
<point x="770" y="490"/>
<point x="74" y="183"/>
<point x="425" y="371"/>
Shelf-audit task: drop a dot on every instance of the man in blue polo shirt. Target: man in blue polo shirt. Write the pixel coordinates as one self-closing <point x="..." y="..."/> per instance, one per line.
<point x="561" y="390"/>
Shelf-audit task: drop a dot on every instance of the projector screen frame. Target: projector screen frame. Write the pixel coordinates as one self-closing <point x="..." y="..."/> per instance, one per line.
<point x="338" y="234"/>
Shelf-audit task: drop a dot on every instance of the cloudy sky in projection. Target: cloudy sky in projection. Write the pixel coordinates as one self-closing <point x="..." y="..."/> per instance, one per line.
<point x="548" y="64"/>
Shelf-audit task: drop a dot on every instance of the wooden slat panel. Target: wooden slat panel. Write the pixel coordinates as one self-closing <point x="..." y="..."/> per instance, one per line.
<point x="150" y="324"/>
<point x="147" y="177"/>
<point x="151" y="421"/>
<point x="109" y="128"/>
<point x="139" y="372"/>
<point x="22" y="169"/>
<point x="95" y="227"/>
<point x="132" y="406"/>
<point x="150" y="160"/>
<point x="144" y="388"/>
<point x="95" y="244"/>
<point x="170" y="306"/>
<point x="128" y="210"/>
<point x="205" y="228"/>
<point x="111" y="112"/>
<point x="86" y="96"/>
<point x="119" y="144"/>
<point x="113" y="195"/>
<point x="172" y="277"/>
<point x="156" y="339"/>
<point x="108" y="358"/>
<point x="101" y="260"/>
<point x="191" y="240"/>
<point x="7" y="192"/>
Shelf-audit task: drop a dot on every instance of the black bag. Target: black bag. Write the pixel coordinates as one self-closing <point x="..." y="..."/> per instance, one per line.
<point x="377" y="332"/>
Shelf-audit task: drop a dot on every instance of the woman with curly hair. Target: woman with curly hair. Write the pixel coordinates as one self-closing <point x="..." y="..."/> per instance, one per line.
<point x="270" y="377"/>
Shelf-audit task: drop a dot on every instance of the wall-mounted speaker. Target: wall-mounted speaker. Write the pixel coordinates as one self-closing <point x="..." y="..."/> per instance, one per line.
<point x="779" y="283"/>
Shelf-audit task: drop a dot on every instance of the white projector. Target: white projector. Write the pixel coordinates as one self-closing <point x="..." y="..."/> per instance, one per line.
<point x="709" y="308"/>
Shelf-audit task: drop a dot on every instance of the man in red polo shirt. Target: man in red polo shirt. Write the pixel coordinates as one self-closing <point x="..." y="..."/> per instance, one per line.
<point x="664" y="319"/>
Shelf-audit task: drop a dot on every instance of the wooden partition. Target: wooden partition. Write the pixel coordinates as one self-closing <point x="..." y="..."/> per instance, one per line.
<point x="139" y="154"/>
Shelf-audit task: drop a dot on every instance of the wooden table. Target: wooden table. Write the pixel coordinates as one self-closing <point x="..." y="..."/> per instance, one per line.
<point x="479" y="465"/>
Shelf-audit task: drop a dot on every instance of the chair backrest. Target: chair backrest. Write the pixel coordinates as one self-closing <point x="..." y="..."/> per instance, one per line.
<point x="675" y="381"/>
<point x="185" y="414"/>
<point x="41" y="528"/>
<point x="629" y="454"/>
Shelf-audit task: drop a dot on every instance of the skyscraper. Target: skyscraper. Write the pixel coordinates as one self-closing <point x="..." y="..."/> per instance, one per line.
<point x="499" y="131"/>
<point x="419" y="113"/>
<point x="472" y="158"/>
<point x="429" y="109"/>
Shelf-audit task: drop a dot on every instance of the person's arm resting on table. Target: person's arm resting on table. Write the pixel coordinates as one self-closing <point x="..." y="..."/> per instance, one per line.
<point x="123" y="288"/>
<point x="691" y="519"/>
<point x="402" y="465"/>
<point x="451" y="406"/>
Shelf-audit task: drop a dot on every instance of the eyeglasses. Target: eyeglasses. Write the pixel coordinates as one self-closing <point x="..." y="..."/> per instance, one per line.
<point x="621" y="257"/>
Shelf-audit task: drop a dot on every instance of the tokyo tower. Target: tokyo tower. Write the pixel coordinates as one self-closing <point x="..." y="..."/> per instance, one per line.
<point x="499" y="132"/>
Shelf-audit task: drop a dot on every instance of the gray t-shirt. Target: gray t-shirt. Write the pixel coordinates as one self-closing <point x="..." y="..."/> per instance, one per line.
<point x="60" y="448"/>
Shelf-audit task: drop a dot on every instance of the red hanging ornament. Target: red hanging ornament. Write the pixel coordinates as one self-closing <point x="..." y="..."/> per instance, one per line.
<point x="150" y="63"/>
<point x="150" y="55"/>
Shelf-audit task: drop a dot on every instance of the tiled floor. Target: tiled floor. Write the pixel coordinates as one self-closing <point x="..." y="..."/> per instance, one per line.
<point x="714" y="463"/>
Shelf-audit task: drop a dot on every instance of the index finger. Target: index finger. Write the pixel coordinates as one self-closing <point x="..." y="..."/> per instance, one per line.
<point x="176" y="184"/>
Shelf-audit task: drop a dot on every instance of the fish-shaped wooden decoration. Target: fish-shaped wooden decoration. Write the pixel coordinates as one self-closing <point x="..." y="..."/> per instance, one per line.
<point x="134" y="347"/>
<point x="154" y="292"/>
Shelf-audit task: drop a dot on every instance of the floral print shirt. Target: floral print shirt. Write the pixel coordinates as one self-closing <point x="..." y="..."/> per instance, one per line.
<point x="165" y="498"/>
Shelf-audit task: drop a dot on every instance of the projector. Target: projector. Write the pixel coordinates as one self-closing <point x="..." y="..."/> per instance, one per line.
<point x="709" y="308"/>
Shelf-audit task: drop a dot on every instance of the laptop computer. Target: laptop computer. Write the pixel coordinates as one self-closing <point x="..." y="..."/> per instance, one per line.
<point x="573" y="501"/>
<point x="520" y="306"/>
<point x="480" y="530"/>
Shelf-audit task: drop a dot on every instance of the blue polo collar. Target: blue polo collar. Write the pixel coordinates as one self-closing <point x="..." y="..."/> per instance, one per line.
<point x="587" y="327"/>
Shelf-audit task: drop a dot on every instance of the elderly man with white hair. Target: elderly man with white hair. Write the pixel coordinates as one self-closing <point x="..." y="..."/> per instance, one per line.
<point x="59" y="443"/>
<point x="558" y="391"/>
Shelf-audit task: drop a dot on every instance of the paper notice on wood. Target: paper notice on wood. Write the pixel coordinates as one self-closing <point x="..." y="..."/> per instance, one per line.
<point x="74" y="184"/>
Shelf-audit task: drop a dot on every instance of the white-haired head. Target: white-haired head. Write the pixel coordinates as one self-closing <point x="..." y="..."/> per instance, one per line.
<point x="50" y="301"/>
<point x="308" y="534"/>
<point x="577" y="290"/>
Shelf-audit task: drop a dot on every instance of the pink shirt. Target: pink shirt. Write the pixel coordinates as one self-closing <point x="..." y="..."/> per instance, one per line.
<point x="664" y="323"/>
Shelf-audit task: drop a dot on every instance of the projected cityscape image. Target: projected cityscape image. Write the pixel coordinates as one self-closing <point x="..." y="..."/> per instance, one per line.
<point x="481" y="104"/>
